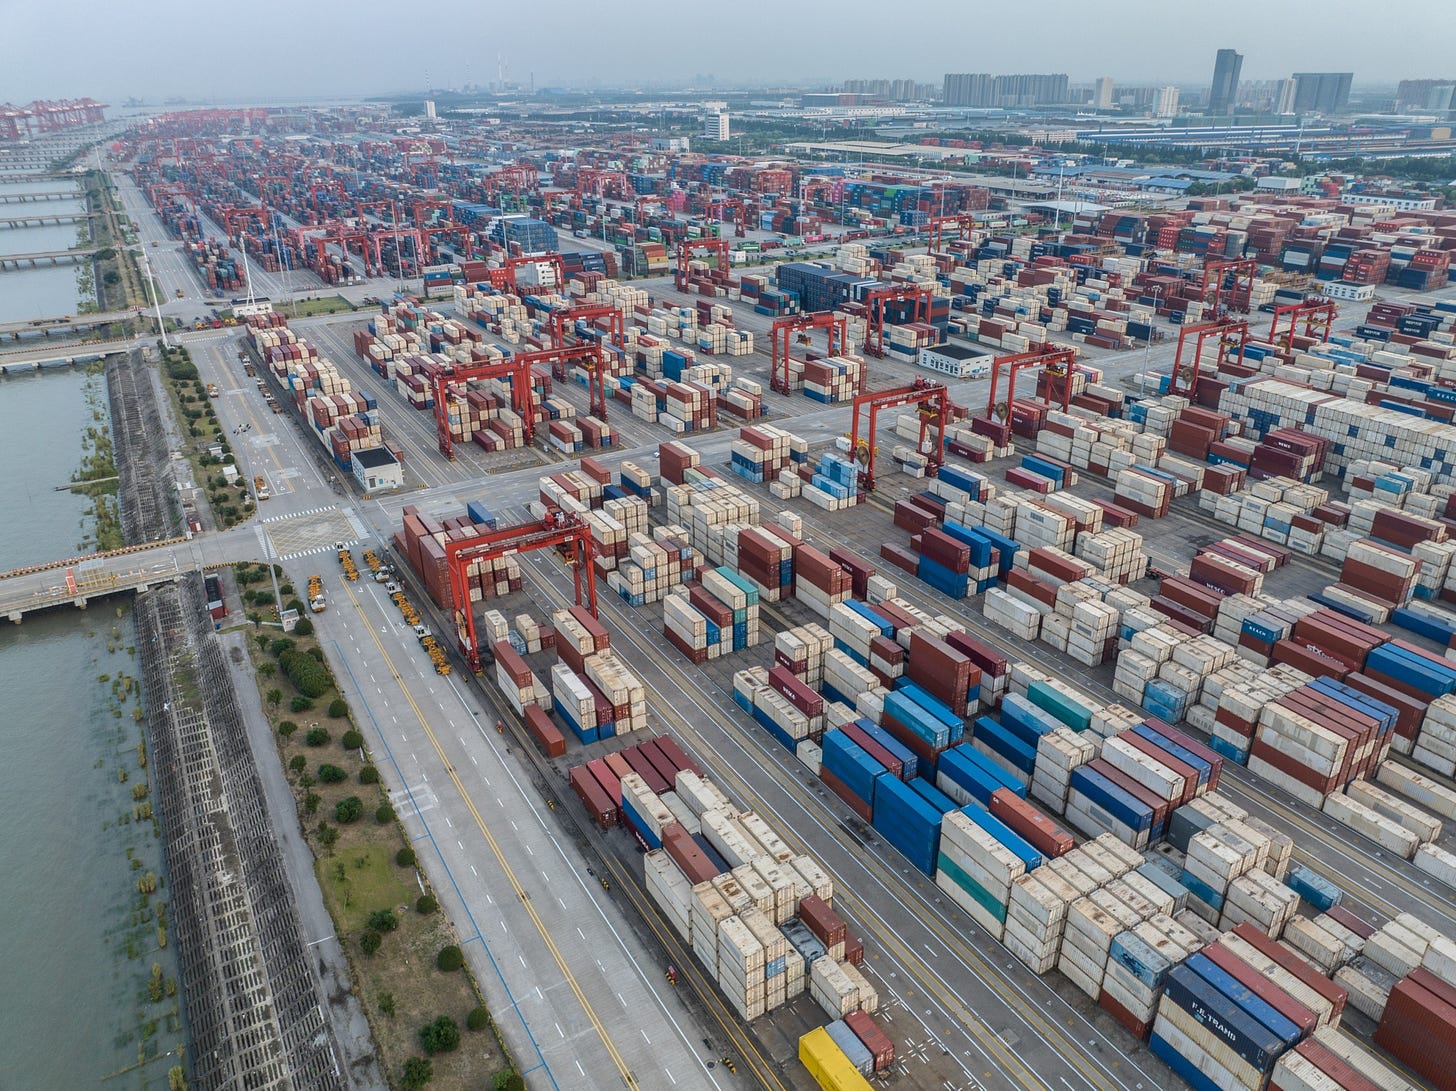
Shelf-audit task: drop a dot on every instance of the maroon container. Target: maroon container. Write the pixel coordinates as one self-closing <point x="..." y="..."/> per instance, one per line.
<point x="691" y="860"/>
<point x="940" y="669"/>
<point x="1221" y="575"/>
<point x="827" y="926"/>
<point x="1182" y="769"/>
<point x="1341" y="915"/>
<point x="1129" y="1022"/>
<point x="1044" y="835"/>
<point x="982" y="655"/>
<point x="674" y="753"/>
<point x="874" y="750"/>
<point x="644" y="768"/>
<point x="609" y="771"/>
<point x="1193" y="746"/>
<point x="665" y="769"/>
<point x="943" y="549"/>
<point x="1345" y="1075"/>
<point x="546" y="734"/>
<point x="602" y="811"/>
<point x="1160" y="807"/>
<point x="1419" y="1030"/>
<point x="853" y="802"/>
<point x="872" y="1038"/>
<point x="788" y="685"/>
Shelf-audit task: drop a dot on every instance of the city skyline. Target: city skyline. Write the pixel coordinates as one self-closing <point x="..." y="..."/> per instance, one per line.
<point x="289" y="50"/>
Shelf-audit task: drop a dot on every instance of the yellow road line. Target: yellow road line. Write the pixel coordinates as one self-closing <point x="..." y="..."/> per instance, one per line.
<point x="628" y="1079"/>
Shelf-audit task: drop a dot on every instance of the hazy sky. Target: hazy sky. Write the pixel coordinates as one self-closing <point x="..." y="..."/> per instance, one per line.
<point x="271" y="49"/>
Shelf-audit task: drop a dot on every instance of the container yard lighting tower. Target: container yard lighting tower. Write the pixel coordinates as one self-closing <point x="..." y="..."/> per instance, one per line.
<point x="152" y="291"/>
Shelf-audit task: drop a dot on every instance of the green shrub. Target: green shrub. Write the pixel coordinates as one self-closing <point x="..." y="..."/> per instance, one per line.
<point x="300" y="703"/>
<point x="303" y="627"/>
<point x="306" y="673"/>
<point x="351" y="740"/>
<point x="417" y="1072"/>
<point x="405" y="857"/>
<point x="509" y="1080"/>
<point x="441" y="1036"/>
<point x="287" y="728"/>
<point x="369" y="775"/>
<point x="281" y="646"/>
<point x="338" y="708"/>
<point x="426" y="904"/>
<point x="383" y="920"/>
<point x="317" y="736"/>
<point x="450" y="958"/>
<point x="383" y="813"/>
<point x="369" y="942"/>
<point x="331" y="774"/>
<point x="349" y="809"/>
<point x="479" y="1018"/>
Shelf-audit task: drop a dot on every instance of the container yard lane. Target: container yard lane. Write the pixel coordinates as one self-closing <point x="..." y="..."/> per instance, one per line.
<point x="989" y="1019"/>
<point x="568" y="988"/>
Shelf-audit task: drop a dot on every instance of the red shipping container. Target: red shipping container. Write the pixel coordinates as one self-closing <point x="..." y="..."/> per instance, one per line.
<point x="643" y="767"/>
<point x="687" y="854"/>
<point x="1176" y="765"/>
<point x="1040" y="590"/>
<point x="1129" y="1022"/>
<point x="859" y="806"/>
<point x="987" y="658"/>
<point x="1346" y="1077"/>
<point x="602" y="811"/>
<point x="1297" y="966"/>
<point x="674" y="753"/>
<point x="1222" y="575"/>
<point x="1418" y="1028"/>
<point x="872" y="1038"/>
<point x="545" y="733"/>
<point x="827" y="925"/>
<point x="945" y="550"/>
<point x="858" y="735"/>
<point x="788" y="685"/>
<point x="1193" y="746"/>
<point x="1412" y="711"/>
<point x="1312" y="661"/>
<point x="899" y="556"/>
<point x="665" y="769"/>
<point x="1044" y="835"/>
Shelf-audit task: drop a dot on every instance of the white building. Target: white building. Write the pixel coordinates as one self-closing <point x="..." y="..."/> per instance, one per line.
<point x="1102" y="93"/>
<point x="377" y="469"/>
<point x="1166" y="103"/>
<point x="959" y="361"/>
<point x="715" y="121"/>
<point x="429" y="109"/>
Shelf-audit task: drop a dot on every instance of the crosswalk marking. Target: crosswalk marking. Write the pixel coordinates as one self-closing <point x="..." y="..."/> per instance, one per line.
<point x="310" y="552"/>
<point x="299" y="514"/>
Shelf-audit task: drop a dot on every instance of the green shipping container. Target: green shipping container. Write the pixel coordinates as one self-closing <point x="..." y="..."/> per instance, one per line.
<point x="978" y="893"/>
<point x="1072" y="713"/>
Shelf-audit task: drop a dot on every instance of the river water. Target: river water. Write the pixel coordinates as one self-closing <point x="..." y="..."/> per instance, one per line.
<point x="77" y="939"/>
<point x="46" y="291"/>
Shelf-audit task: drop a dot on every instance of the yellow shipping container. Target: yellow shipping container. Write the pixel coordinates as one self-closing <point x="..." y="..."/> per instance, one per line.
<point x="827" y="1063"/>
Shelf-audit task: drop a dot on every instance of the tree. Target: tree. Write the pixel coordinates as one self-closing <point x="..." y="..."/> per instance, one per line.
<point x="328" y="835"/>
<point x="450" y="958"/>
<point x="441" y="1036"/>
<point x="351" y="740"/>
<point x="278" y="646"/>
<point x="311" y="802"/>
<point x="386" y="1003"/>
<point x="303" y="627"/>
<point x="300" y="703"/>
<point x="267" y="670"/>
<point x="369" y="942"/>
<point x="405" y="857"/>
<point x="479" y="1018"/>
<point x="331" y="774"/>
<point x="261" y="638"/>
<point x="338" y="707"/>
<point x="298" y="763"/>
<point x="417" y="1072"/>
<point x="287" y="728"/>
<point x="509" y="1080"/>
<point x="426" y="904"/>
<point x="317" y="736"/>
<point x="369" y="775"/>
<point x="383" y="813"/>
<point x="274" y="696"/>
<point x="383" y="920"/>
<point x="349" y="809"/>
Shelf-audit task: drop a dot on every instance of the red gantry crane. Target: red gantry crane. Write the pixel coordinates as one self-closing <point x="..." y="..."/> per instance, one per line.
<point x="1318" y="316"/>
<point x="964" y="223"/>
<point x="688" y="247"/>
<point x="1231" y="284"/>
<point x="1227" y="336"/>
<point x="1053" y="361"/>
<point x="875" y="302"/>
<point x="801" y="325"/>
<point x="564" y="532"/>
<point x="517" y="370"/>
<point x="503" y="278"/>
<point x="933" y="402"/>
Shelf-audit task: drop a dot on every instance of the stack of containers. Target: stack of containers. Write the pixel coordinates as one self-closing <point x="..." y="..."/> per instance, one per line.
<point x="573" y="701"/>
<point x="978" y="858"/>
<point x="623" y="690"/>
<point x="1418" y="1026"/>
<point x="514" y="678"/>
<point x="908" y="816"/>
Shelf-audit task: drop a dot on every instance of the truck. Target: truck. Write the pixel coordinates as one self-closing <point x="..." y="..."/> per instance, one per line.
<point x="316" y="601"/>
<point x="261" y="488"/>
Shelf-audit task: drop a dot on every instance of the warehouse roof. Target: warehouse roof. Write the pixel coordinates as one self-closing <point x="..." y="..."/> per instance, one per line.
<point x="957" y="352"/>
<point x="374" y="456"/>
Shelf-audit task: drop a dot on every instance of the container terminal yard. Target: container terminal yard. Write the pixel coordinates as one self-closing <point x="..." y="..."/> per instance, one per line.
<point x="788" y="696"/>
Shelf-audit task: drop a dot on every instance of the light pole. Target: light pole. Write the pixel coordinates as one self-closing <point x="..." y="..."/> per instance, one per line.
<point x="152" y="291"/>
<point x="1148" y="344"/>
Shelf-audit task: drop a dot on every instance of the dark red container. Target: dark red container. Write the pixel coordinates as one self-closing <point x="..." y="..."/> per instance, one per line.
<point x="1419" y="1029"/>
<point x="546" y="734"/>
<point x="602" y="811"/>
<point x="853" y="802"/>
<point x="643" y="767"/>
<point x="1044" y="835"/>
<point x="982" y="655"/>
<point x="1346" y="1077"/>
<point x="827" y="926"/>
<point x="674" y="753"/>
<point x="1129" y="1022"/>
<point x="788" y="684"/>
<point x="875" y="750"/>
<point x="899" y="556"/>
<point x="1185" y="771"/>
<point x="665" y="769"/>
<point x="1179" y="738"/>
<point x="691" y="860"/>
<point x="872" y="1038"/>
<point x="1262" y="987"/>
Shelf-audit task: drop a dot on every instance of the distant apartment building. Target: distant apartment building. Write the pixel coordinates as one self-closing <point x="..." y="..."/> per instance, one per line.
<point x="1321" y="92"/>
<point x="1227" y="64"/>
<point x="715" y="121"/>
<point x="893" y="90"/>
<point x="979" y="89"/>
<point x="1426" y="96"/>
<point x="1102" y="93"/>
<point x="1165" y="102"/>
<point x="1284" y="102"/>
